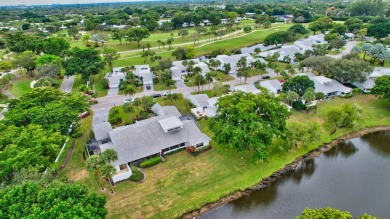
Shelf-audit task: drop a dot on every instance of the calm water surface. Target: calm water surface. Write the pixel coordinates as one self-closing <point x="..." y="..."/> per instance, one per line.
<point x="353" y="176"/>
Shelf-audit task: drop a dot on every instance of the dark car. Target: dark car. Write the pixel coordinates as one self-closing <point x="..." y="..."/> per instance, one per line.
<point x="266" y="77"/>
<point x="155" y="95"/>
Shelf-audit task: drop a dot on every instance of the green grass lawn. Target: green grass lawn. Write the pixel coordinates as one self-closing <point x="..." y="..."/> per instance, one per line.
<point x="184" y="182"/>
<point x="183" y="105"/>
<point x="222" y="77"/>
<point x="21" y="87"/>
<point x="333" y="52"/>
<point x="209" y="93"/>
<point x="101" y="92"/>
<point x="376" y="64"/>
<point x="128" y="118"/>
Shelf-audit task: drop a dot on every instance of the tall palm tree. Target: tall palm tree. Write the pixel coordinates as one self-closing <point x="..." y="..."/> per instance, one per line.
<point x="257" y="51"/>
<point x="159" y="43"/>
<point x="163" y="44"/>
<point x="130" y="77"/>
<point x="132" y="68"/>
<point x="185" y="63"/>
<point x="277" y="71"/>
<point x="209" y="78"/>
<point x="291" y="97"/>
<point x="245" y="74"/>
<point x="148" y="46"/>
<point x="197" y="70"/>
<point x="94" y="164"/>
<point x="226" y="68"/>
<point x="309" y="95"/>
<point x="242" y="62"/>
<point x="129" y="90"/>
<point x="199" y="80"/>
<point x="108" y="171"/>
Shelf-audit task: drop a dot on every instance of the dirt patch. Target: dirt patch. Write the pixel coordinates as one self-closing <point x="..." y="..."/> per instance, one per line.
<point x="76" y="176"/>
<point x="286" y="169"/>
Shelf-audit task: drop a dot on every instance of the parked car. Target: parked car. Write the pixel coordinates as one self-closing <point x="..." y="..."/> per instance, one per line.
<point x="148" y="87"/>
<point x="167" y="92"/>
<point x="129" y="100"/>
<point x="84" y="115"/>
<point x="156" y="95"/>
<point x="266" y="77"/>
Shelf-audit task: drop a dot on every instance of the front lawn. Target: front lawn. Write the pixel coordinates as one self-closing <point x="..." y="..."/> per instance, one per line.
<point x="222" y="77"/>
<point x="100" y="90"/>
<point x="183" y="105"/>
<point x="20" y="87"/>
<point x="3" y="98"/>
<point x="128" y="118"/>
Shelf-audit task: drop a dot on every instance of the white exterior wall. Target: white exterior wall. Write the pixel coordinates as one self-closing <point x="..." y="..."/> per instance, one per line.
<point x="123" y="176"/>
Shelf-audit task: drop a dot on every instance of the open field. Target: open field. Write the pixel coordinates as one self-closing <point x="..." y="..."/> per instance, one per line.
<point x="21" y="86"/>
<point x="184" y="182"/>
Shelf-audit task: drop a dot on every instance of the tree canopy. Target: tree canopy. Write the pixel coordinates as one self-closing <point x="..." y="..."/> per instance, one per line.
<point x="382" y="87"/>
<point x="50" y="200"/>
<point x="86" y="62"/>
<point x="246" y="121"/>
<point x="329" y="213"/>
<point x="298" y="84"/>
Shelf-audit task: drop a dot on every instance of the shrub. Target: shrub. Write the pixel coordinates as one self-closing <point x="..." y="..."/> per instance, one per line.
<point x="186" y="80"/>
<point x="191" y="149"/>
<point x="150" y="162"/>
<point x="105" y="83"/>
<point x="136" y="175"/>
<point x="115" y="120"/>
<point x="298" y="105"/>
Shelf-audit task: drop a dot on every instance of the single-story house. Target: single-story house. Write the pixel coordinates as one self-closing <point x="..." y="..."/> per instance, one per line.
<point x="367" y="85"/>
<point x="205" y="106"/>
<point x="247" y="88"/>
<point x="232" y="60"/>
<point x="329" y="87"/>
<point x="144" y="73"/>
<point x="178" y="69"/>
<point x="155" y="136"/>
<point x="250" y="14"/>
<point x="273" y="86"/>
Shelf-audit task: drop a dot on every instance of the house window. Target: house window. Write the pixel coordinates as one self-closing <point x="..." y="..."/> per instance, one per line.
<point x="165" y="150"/>
<point x="199" y="145"/>
<point x="122" y="167"/>
<point x="104" y="141"/>
<point x="182" y="144"/>
<point x="174" y="147"/>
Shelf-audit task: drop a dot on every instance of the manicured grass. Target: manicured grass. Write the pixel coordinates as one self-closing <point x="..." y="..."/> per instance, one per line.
<point x="255" y="72"/>
<point x="183" y="105"/>
<point x="21" y="87"/>
<point x="376" y="64"/>
<point x="101" y="92"/>
<point x="160" y="86"/>
<point x="222" y="77"/>
<point x="184" y="182"/>
<point x="128" y="118"/>
<point x="78" y="80"/>
<point x="333" y="52"/>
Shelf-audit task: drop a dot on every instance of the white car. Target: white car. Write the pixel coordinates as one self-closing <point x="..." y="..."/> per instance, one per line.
<point x="165" y="93"/>
<point x="128" y="100"/>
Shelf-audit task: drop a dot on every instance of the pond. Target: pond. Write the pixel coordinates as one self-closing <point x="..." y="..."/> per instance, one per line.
<point x="354" y="176"/>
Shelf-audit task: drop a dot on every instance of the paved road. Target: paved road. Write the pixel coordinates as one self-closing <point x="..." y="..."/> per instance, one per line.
<point x="348" y="48"/>
<point x="67" y="84"/>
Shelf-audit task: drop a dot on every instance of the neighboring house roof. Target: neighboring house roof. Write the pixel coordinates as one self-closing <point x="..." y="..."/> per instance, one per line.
<point x="205" y="68"/>
<point x="247" y="88"/>
<point x="330" y="85"/>
<point x="273" y="86"/>
<point x="252" y="48"/>
<point x="101" y="130"/>
<point x="233" y="59"/>
<point x="176" y="73"/>
<point x="165" y="110"/>
<point x="367" y="85"/>
<point x="147" y="137"/>
<point x="199" y="100"/>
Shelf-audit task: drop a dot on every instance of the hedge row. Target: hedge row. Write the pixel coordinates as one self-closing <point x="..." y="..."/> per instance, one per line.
<point x="150" y="162"/>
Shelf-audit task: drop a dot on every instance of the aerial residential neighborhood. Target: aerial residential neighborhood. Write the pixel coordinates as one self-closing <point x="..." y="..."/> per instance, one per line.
<point x="194" y="109"/>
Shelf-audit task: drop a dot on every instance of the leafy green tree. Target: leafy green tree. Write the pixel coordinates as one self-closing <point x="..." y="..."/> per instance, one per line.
<point x="382" y="88"/>
<point x="338" y="28"/>
<point x="298" y="29"/>
<point x="321" y="24"/>
<point x="55" y="46"/>
<point x="108" y="171"/>
<point x="19" y="42"/>
<point x="138" y="34"/>
<point x="345" y="116"/>
<point x="26" y="60"/>
<point x="169" y="83"/>
<point x="226" y="68"/>
<point x="51" y="200"/>
<point x="48" y="70"/>
<point x="118" y="35"/>
<point x="183" y="33"/>
<point x="379" y="30"/>
<point x="110" y="55"/>
<point x="298" y="84"/>
<point x="353" y="24"/>
<point x="73" y="32"/>
<point x="47" y="59"/>
<point x="147" y="102"/>
<point x="246" y="121"/>
<point x="328" y="213"/>
<point x="86" y="62"/>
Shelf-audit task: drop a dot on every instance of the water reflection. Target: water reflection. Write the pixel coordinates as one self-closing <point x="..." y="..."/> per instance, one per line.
<point x="379" y="142"/>
<point x="358" y="184"/>
<point x="345" y="149"/>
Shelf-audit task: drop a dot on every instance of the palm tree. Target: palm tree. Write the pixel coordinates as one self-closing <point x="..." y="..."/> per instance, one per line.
<point x="197" y="70"/>
<point x="109" y="155"/>
<point x="169" y="42"/>
<point x="148" y="46"/>
<point x="226" y="68"/>
<point x="138" y="103"/>
<point x="185" y="63"/>
<point x="291" y="97"/>
<point x="257" y="51"/>
<point x="132" y="68"/>
<point x="277" y="71"/>
<point x="94" y="164"/>
<point x="163" y="44"/>
<point x="246" y="74"/>
<point x="108" y="171"/>
<point x="159" y="43"/>
<point x="291" y="71"/>
<point x="199" y="80"/>
<point x="130" y="77"/>
<point x="129" y="90"/>
<point x="242" y="62"/>
<point x="209" y="78"/>
<point x="309" y="95"/>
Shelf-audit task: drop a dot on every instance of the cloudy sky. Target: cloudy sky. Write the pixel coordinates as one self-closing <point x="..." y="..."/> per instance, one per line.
<point x="49" y="2"/>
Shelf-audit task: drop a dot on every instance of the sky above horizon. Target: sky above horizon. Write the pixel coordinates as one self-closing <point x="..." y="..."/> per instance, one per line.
<point x="49" y="2"/>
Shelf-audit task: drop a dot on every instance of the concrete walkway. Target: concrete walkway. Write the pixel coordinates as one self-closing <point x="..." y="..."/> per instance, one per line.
<point x="67" y="84"/>
<point x="348" y="48"/>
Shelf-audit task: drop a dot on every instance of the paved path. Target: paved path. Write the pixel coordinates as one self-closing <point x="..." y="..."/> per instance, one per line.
<point x="348" y="48"/>
<point x="4" y="106"/>
<point x="67" y="84"/>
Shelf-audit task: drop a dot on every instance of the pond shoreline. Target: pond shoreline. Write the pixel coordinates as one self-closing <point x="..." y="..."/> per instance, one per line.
<point x="286" y="169"/>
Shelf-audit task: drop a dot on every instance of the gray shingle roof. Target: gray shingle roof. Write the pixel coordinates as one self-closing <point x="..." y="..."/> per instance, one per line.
<point x="247" y="88"/>
<point x="200" y="100"/>
<point x="165" y="110"/>
<point x="272" y="86"/>
<point x="101" y="130"/>
<point x="146" y="138"/>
